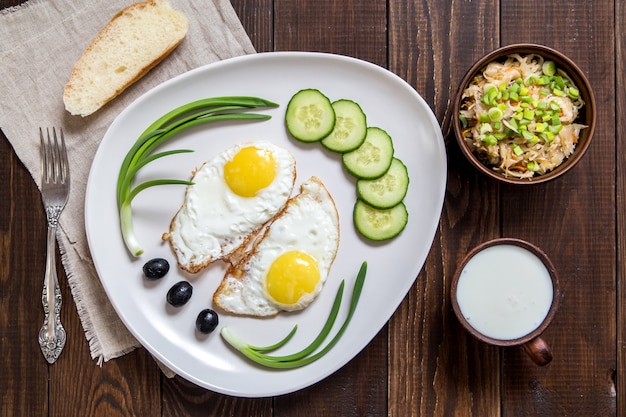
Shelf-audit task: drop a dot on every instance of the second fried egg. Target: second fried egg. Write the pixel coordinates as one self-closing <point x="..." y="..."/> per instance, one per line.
<point x="288" y="267"/>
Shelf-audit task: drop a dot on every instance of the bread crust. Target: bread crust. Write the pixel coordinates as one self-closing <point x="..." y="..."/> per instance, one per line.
<point x="74" y="87"/>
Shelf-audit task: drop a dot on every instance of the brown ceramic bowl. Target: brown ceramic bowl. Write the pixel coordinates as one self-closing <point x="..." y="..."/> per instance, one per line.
<point x="586" y="116"/>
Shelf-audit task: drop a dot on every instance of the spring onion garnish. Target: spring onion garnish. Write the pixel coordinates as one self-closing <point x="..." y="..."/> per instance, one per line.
<point x="532" y="113"/>
<point x="306" y="355"/>
<point x="168" y="125"/>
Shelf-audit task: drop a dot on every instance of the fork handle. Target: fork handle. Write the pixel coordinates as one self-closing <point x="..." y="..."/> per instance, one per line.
<point x="52" y="333"/>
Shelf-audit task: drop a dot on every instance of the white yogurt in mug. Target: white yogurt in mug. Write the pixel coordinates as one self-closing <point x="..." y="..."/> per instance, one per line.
<point x="504" y="292"/>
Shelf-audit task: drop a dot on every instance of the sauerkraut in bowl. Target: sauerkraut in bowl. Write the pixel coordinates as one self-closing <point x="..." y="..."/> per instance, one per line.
<point x="519" y="115"/>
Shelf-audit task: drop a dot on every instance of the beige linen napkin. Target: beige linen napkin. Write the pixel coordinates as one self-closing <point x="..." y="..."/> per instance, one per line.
<point x="39" y="43"/>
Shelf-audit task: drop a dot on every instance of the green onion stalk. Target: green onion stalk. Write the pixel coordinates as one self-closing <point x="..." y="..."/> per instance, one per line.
<point x="181" y="118"/>
<point x="306" y="355"/>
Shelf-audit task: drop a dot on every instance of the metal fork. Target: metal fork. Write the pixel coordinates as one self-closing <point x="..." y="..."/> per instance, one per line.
<point x="55" y="187"/>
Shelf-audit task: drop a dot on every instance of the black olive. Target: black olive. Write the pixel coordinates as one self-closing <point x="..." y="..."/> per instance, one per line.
<point x="179" y="294"/>
<point x="156" y="268"/>
<point x="207" y="321"/>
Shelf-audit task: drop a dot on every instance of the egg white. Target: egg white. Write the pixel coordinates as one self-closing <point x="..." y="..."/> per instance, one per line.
<point x="310" y="223"/>
<point x="213" y="221"/>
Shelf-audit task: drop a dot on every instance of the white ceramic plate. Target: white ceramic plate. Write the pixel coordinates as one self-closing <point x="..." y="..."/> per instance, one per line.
<point x="389" y="103"/>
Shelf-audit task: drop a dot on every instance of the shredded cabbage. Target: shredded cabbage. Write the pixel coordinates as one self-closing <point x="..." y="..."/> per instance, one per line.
<point x="519" y="116"/>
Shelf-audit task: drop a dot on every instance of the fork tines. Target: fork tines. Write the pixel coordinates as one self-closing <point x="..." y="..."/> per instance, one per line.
<point x="54" y="164"/>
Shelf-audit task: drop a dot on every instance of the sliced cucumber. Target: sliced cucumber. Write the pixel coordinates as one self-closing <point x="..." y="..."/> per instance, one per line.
<point x="379" y="224"/>
<point x="373" y="158"/>
<point x="350" y="127"/>
<point x="309" y="116"/>
<point x="388" y="190"/>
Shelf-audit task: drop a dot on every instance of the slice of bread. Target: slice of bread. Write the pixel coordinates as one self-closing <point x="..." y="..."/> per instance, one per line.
<point x="133" y="42"/>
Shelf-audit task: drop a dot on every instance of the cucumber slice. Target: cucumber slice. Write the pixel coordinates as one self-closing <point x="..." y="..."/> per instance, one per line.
<point x="386" y="191"/>
<point x="309" y="116"/>
<point x="350" y="127"/>
<point x="379" y="224"/>
<point x="373" y="158"/>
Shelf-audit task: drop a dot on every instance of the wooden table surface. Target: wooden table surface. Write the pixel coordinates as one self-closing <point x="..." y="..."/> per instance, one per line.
<point x="421" y="363"/>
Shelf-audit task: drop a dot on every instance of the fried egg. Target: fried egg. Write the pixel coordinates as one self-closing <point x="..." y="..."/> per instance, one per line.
<point x="232" y="196"/>
<point x="289" y="264"/>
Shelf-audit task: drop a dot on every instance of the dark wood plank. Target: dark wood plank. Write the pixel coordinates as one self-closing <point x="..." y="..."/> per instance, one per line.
<point x="23" y="379"/>
<point x="257" y="18"/>
<point x="4" y="4"/>
<point x="182" y="398"/>
<point x="23" y="369"/>
<point x="352" y="27"/>
<point x="126" y="386"/>
<point x="620" y="126"/>
<point x="436" y="368"/>
<point x="357" y="389"/>
<point x="572" y="219"/>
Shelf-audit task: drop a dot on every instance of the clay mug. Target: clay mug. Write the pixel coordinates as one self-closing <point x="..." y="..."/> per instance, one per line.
<point x="505" y="292"/>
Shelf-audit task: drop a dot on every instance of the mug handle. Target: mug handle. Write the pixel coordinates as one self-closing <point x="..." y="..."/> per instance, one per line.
<point x="538" y="350"/>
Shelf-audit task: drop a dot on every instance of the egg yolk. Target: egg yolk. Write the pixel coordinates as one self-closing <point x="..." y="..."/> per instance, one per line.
<point x="250" y="170"/>
<point x="290" y="276"/>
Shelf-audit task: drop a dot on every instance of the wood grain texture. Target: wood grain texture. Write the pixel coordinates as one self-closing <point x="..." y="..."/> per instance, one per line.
<point x="257" y="17"/>
<point x="620" y="127"/>
<point x="182" y="398"/>
<point x="562" y="216"/>
<point x="422" y="363"/>
<point x="351" y="27"/>
<point x="437" y="369"/>
<point x="22" y="268"/>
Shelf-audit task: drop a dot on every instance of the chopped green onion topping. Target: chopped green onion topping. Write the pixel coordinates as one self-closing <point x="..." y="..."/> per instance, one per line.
<point x="529" y="137"/>
<point x="529" y="114"/>
<point x="511" y="124"/>
<point x="464" y="122"/>
<point x="555" y="129"/>
<point x="548" y="68"/>
<point x="532" y="80"/>
<point x="495" y="114"/>
<point x="573" y="93"/>
<point x="489" y="139"/>
<point x="560" y="82"/>
<point x="540" y="127"/>
<point x="523" y="109"/>
<point x="490" y="93"/>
